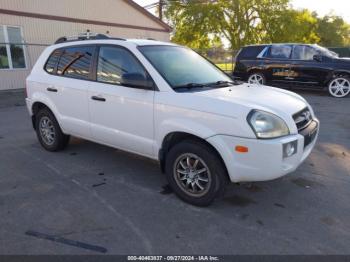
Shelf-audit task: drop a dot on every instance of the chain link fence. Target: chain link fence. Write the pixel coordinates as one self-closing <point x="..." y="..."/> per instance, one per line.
<point x="223" y="58"/>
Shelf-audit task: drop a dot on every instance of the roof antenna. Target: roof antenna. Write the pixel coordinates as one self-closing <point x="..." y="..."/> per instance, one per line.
<point x="107" y="32"/>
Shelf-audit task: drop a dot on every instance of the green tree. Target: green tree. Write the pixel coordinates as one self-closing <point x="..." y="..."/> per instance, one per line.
<point x="333" y="31"/>
<point x="288" y="25"/>
<point x="237" y="21"/>
<point x="194" y="23"/>
<point x="202" y="24"/>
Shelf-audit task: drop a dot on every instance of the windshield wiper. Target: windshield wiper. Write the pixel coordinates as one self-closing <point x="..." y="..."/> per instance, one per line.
<point x="221" y="83"/>
<point x="224" y="82"/>
<point x="213" y="84"/>
<point x="189" y="86"/>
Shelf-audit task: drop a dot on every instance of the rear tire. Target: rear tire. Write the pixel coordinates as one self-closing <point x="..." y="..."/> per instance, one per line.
<point x="49" y="132"/>
<point x="195" y="173"/>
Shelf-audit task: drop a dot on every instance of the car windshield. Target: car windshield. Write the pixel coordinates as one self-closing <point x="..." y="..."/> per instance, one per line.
<point x="184" y="68"/>
<point x="326" y="52"/>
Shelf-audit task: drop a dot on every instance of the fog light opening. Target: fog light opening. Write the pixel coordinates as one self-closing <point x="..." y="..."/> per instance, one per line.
<point x="290" y="149"/>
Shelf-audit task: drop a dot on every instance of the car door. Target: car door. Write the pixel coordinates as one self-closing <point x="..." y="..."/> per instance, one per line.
<point x="68" y="87"/>
<point x="121" y="101"/>
<point x="306" y="70"/>
<point x="277" y="63"/>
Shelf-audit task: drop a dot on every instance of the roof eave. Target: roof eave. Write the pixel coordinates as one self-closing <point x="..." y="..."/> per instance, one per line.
<point x="148" y="14"/>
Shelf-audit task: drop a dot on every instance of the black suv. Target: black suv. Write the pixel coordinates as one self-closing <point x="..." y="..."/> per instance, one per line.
<point x="299" y="65"/>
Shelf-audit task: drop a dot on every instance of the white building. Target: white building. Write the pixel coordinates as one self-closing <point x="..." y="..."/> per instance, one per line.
<point x="28" y="26"/>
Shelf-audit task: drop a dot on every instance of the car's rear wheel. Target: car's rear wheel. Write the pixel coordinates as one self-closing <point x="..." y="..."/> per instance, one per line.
<point x="195" y="173"/>
<point x="256" y="79"/>
<point x="339" y="87"/>
<point x="49" y="132"/>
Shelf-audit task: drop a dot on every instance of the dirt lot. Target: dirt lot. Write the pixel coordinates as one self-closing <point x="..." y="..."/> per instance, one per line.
<point x="92" y="199"/>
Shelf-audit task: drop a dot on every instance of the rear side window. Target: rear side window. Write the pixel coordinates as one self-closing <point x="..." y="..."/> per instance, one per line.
<point x="280" y="51"/>
<point x="250" y="52"/>
<point x="76" y="62"/>
<point x="51" y="63"/>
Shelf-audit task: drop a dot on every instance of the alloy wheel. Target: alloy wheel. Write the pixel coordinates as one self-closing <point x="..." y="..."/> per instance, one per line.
<point x="192" y="175"/>
<point x="256" y="79"/>
<point x="339" y="87"/>
<point x="47" y="130"/>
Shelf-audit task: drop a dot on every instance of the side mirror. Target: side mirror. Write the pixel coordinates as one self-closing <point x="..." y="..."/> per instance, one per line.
<point x="137" y="80"/>
<point x="317" y="58"/>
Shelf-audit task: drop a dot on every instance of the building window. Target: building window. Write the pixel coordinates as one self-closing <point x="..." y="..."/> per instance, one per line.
<point x="11" y="48"/>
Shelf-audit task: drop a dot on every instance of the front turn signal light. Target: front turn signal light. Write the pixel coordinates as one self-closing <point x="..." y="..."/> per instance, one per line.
<point x="241" y="149"/>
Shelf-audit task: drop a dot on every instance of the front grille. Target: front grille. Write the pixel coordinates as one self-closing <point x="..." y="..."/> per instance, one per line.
<point x="303" y="119"/>
<point x="307" y="127"/>
<point x="309" y="133"/>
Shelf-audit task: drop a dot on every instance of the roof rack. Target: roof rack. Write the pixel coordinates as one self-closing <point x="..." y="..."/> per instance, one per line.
<point x="85" y="36"/>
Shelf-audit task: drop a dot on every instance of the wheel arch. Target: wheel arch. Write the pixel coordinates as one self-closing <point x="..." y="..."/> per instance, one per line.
<point x="36" y="107"/>
<point x="255" y="69"/>
<point x="173" y="138"/>
<point x="338" y="73"/>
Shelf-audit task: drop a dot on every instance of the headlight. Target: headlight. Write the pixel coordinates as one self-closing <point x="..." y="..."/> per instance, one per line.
<point x="266" y="125"/>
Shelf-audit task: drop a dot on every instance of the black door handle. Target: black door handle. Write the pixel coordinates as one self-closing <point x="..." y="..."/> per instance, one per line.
<point x="51" y="89"/>
<point x="97" y="98"/>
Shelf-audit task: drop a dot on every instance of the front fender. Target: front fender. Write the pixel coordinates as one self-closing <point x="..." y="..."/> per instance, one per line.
<point x="334" y="73"/>
<point x="181" y="125"/>
<point x="341" y="71"/>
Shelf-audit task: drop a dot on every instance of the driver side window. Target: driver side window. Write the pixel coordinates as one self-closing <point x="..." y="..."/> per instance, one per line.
<point x="115" y="63"/>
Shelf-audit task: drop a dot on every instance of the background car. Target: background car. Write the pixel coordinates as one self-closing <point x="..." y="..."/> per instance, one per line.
<point x="294" y="65"/>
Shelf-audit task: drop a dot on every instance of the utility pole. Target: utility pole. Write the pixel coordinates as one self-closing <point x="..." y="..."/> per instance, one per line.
<point x="160" y="9"/>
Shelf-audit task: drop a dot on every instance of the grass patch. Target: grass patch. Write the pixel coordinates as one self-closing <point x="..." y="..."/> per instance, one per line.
<point x="226" y="67"/>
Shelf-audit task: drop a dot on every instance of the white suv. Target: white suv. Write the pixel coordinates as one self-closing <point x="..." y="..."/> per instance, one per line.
<point x="168" y="103"/>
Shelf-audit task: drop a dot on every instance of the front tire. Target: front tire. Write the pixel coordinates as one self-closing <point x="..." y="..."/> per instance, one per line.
<point x="49" y="132"/>
<point x="195" y="173"/>
<point x="339" y="86"/>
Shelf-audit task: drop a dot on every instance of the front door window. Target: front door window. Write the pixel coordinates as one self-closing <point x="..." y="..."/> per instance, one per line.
<point x="303" y="52"/>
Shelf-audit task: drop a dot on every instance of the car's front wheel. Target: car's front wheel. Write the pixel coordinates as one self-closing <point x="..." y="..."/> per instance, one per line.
<point x="339" y="87"/>
<point x="256" y="79"/>
<point x="49" y="132"/>
<point x="195" y="172"/>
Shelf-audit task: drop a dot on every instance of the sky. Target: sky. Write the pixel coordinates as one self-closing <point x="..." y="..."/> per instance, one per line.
<point x="339" y="7"/>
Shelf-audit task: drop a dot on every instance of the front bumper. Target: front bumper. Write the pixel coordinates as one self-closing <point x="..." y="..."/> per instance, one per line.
<point x="264" y="160"/>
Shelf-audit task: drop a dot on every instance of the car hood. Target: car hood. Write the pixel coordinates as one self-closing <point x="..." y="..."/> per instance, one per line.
<point x="277" y="101"/>
<point x="344" y="60"/>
